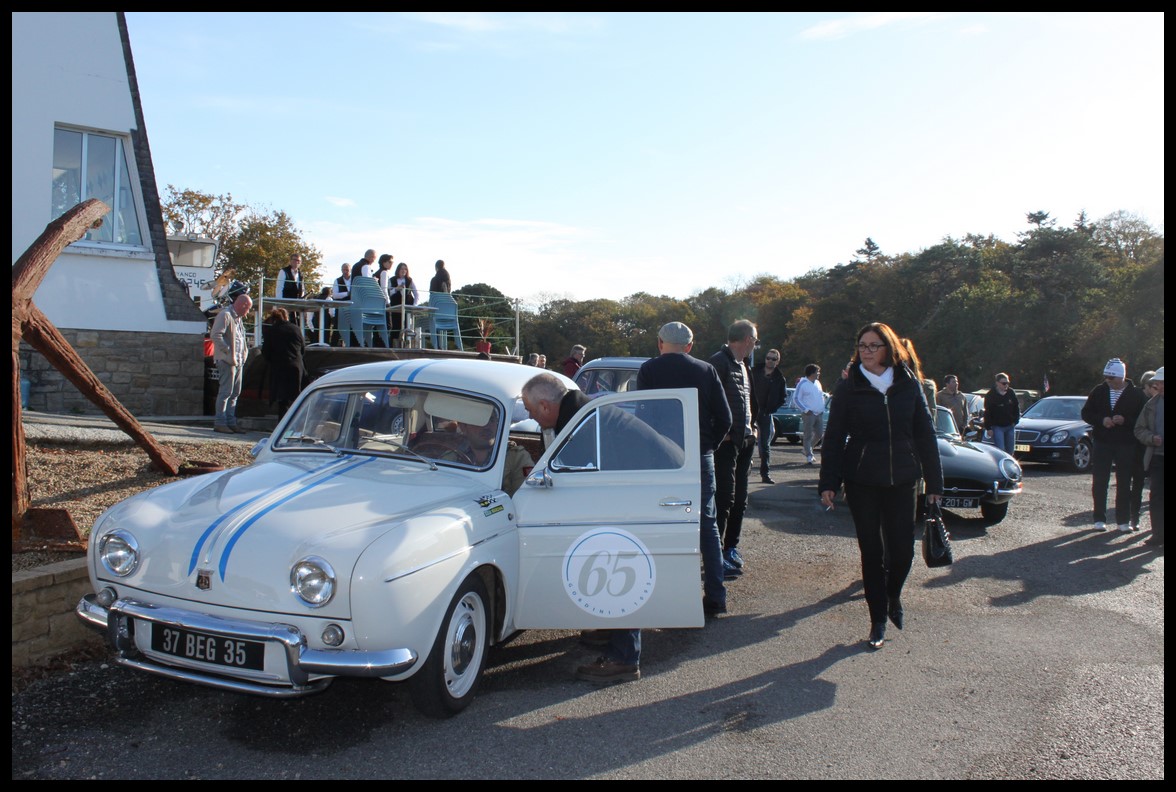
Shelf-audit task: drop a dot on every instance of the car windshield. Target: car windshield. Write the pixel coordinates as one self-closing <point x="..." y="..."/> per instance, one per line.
<point x="1056" y="409"/>
<point x="392" y="420"/>
<point x="945" y="422"/>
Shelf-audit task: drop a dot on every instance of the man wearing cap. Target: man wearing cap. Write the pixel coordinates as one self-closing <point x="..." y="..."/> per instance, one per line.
<point x="1112" y="409"/>
<point x="1149" y="430"/>
<point x="675" y="368"/>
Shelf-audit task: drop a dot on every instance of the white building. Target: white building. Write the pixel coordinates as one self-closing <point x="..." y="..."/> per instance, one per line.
<point x="78" y="132"/>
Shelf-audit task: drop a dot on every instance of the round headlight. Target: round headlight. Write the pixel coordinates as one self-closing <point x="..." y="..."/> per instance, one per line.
<point x="1010" y="469"/>
<point x="119" y="552"/>
<point x="313" y="580"/>
<point x="1059" y="436"/>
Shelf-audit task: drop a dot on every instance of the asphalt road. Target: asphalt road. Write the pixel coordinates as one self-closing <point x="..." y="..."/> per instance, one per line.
<point x="1039" y="654"/>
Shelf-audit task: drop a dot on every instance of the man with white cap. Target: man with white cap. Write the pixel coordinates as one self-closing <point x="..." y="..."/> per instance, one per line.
<point x="675" y="368"/>
<point x="1149" y="430"/>
<point x="1112" y="409"/>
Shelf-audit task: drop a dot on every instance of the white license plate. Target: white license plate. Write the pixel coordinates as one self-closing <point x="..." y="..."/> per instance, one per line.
<point x="1021" y="447"/>
<point x="959" y="503"/>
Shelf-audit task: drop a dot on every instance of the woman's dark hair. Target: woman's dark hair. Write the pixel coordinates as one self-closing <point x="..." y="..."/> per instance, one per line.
<point x="396" y="272"/>
<point x="278" y="314"/>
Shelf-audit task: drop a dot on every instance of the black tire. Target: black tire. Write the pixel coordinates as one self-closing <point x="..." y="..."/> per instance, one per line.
<point x="994" y="512"/>
<point x="1080" y="460"/>
<point x="794" y="440"/>
<point x="449" y="679"/>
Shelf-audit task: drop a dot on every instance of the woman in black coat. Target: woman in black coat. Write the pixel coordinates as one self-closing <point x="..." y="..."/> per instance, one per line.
<point x="879" y="443"/>
<point x="283" y="346"/>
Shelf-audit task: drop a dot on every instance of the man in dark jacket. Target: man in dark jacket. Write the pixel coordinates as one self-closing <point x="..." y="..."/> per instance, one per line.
<point x="675" y="368"/>
<point x="733" y="455"/>
<point x="1112" y="409"/>
<point x="770" y="389"/>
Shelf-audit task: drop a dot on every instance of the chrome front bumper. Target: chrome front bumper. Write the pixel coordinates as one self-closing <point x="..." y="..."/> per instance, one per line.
<point x="301" y="662"/>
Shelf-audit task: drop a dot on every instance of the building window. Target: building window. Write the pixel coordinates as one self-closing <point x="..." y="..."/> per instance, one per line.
<point x="91" y="165"/>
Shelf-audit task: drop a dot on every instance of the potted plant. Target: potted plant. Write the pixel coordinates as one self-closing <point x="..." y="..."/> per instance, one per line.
<point x="485" y="328"/>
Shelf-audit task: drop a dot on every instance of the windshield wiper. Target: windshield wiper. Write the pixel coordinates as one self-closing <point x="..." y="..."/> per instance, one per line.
<point x="392" y="441"/>
<point x="319" y="442"/>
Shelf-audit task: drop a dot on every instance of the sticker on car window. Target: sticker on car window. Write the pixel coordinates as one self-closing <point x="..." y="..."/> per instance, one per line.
<point x="609" y="572"/>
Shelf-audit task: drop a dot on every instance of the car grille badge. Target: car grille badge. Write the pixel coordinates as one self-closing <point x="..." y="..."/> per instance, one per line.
<point x="204" y="579"/>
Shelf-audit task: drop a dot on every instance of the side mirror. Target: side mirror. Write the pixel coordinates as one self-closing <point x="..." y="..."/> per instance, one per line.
<point x="540" y="478"/>
<point x="258" y="447"/>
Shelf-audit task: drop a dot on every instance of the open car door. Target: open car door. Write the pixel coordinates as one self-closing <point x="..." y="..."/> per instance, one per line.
<point x="608" y="519"/>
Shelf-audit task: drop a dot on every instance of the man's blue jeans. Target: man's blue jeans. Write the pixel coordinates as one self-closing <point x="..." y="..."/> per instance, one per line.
<point x="709" y="543"/>
<point x="1004" y="437"/>
<point x="624" y="646"/>
<point x="767" y="433"/>
<point x="228" y="391"/>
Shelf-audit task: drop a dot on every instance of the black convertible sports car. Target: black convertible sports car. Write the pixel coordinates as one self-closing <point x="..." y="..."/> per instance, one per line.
<point x="1052" y="430"/>
<point x="975" y="474"/>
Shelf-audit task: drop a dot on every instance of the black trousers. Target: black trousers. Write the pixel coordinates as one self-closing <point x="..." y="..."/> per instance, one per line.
<point x="884" y="519"/>
<point x="1122" y="456"/>
<point x="732" y="464"/>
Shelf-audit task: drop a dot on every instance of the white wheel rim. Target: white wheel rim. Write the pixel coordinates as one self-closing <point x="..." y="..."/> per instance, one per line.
<point x="464" y="644"/>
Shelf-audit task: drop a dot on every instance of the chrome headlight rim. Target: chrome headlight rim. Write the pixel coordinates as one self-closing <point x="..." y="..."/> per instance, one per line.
<point x="1059" y="437"/>
<point x="313" y="581"/>
<point x="115" y="545"/>
<point x="1010" y="469"/>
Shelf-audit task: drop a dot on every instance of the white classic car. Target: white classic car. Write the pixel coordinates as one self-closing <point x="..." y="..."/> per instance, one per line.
<point x="371" y="537"/>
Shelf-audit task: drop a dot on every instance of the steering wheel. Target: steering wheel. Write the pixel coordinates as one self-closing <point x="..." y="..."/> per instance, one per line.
<point x="442" y="446"/>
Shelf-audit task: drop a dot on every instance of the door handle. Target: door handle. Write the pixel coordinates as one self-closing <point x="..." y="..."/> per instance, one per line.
<point x="672" y="502"/>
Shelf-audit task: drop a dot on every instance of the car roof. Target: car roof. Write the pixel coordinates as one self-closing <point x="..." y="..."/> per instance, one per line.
<point x="502" y="381"/>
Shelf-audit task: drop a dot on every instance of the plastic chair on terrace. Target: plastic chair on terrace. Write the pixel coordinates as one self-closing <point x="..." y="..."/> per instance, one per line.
<point x="443" y="320"/>
<point x="368" y="310"/>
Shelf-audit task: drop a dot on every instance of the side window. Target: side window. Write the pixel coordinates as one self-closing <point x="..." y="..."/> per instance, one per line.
<point x="92" y="165"/>
<point x="645" y="435"/>
<point x="579" y="452"/>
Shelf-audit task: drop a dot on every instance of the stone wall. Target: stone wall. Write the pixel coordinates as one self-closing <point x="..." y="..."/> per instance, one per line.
<point x="150" y="373"/>
<point x="43" y="622"/>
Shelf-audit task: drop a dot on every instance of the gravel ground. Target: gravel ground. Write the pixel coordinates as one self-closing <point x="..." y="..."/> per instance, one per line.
<point x="87" y="479"/>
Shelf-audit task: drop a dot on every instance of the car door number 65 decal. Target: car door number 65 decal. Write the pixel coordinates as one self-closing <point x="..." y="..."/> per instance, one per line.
<point x="609" y="572"/>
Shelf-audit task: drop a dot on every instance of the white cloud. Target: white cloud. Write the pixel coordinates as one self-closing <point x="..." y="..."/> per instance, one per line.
<point x="840" y="28"/>
<point x="477" y="22"/>
<point x="336" y="201"/>
<point x="518" y="257"/>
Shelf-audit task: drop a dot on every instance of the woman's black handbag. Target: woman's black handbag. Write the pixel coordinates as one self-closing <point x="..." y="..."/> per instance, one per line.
<point x="936" y="542"/>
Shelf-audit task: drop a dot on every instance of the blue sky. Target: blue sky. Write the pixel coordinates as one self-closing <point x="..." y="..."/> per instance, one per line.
<point x="597" y="155"/>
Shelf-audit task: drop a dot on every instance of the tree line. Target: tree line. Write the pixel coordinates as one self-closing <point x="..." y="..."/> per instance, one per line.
<point x="1055" y="303"/>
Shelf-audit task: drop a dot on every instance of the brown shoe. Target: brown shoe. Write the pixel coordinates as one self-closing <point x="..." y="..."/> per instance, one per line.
<point x="594" y="637"/>
<point x="608" y="672"/>
<point x="223" y="429"/>
<point x="239" y="430"/>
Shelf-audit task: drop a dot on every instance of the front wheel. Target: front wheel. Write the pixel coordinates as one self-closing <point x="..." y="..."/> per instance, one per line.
<point x="994" y="512"/>
<point x="1081" y="459"/>
<point x="447" y="682"/>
